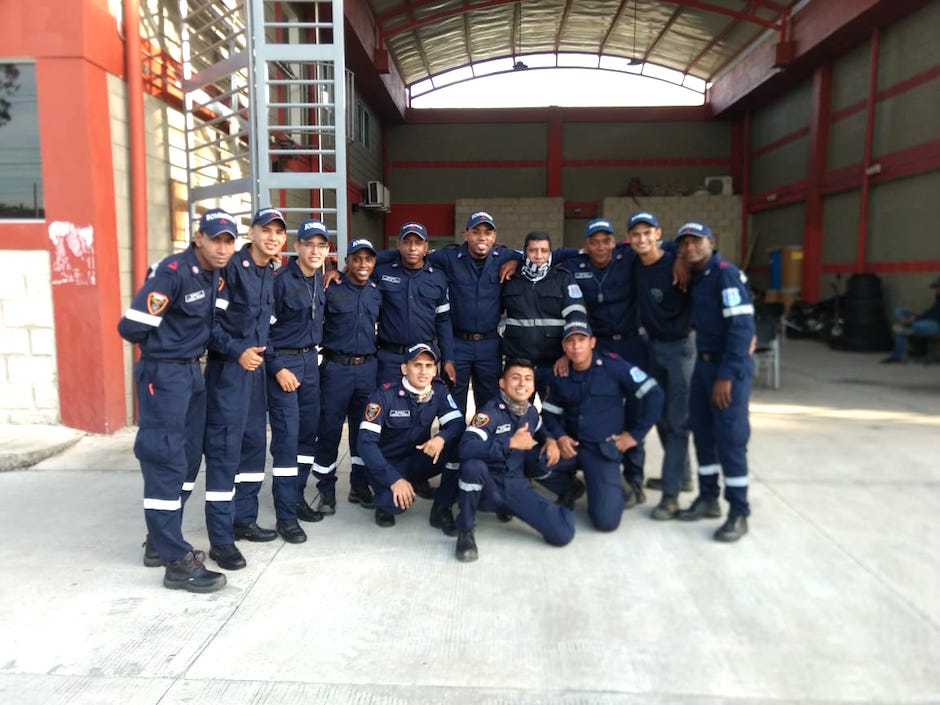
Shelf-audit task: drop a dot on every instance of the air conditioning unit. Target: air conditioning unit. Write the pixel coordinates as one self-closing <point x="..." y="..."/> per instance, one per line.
<point x="719" y="185"/>
<point x="377" y="196"/>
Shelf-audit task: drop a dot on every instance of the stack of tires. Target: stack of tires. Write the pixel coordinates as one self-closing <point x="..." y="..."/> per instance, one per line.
<point x="866" y="327"/>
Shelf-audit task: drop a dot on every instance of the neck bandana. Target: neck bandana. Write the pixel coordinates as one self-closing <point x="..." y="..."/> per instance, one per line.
<point x="535" y="272"/>
<point x="419" y="395"/>
<point x="515" y="408"/>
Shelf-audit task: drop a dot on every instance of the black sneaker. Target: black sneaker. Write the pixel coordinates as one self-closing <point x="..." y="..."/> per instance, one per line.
<point x="384" y="519"/>
<point x="361" y="497"/>
<point x="576" y="489"/>
<point x="307" y="513"/>
<point x="188" y="573"/>
<point x="466" y="549"/>
<point x="443" y="518"/>
<point x="667" y="508"/>
<point x="701" y="508"/>
<point x="734" y="528"/>
<point x="327" y="503"/>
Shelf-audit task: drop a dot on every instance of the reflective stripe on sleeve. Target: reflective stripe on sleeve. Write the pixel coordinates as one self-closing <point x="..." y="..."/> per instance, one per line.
<point x="551" y="408"/>
<point x="167" y="505"/>
<point x="479" y="431"/>
<point x="447" y="418"/>
<point x="534" y="322"/>
<point x="645" y="387"/>
<point x="369" y="426"/>
<point x="742" y="310"/>
<point x="469" y="486"/>
<point x="220" y="496"/>
<point x="573" y="308"/>
<point x="132" y="314"/>
<point x="709" y="470"/>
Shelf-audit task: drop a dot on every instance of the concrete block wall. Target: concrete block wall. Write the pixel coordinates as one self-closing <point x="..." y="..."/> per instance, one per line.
<point x="29" y="385"/>
<point x="515" y="217"/>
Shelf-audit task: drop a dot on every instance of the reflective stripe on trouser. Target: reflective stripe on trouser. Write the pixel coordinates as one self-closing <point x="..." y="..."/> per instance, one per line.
<point x="720" y="436"/>
<point x="229" y="411"/>
<point x="671" y="364"/>
<point x="481" y="490"/>
<point x="344" y="390"/>
<point x="479" y="360"/>
<point x="172" y="413"/>
<point x="294" y="418"/>
<point x="604" y="487"/>
<point x="414" y="467"/>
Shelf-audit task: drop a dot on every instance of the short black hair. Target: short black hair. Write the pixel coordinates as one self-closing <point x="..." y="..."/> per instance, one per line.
<point x="536" y="235"/>
<point x="517" y="362"/>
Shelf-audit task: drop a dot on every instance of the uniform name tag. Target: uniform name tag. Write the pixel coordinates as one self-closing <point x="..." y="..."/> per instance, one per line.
<point x="399" y="413"/>
<point x="389" y="278"/>
<point x="583" y="275"/>
<point x="195" y="296"/>
<point x="504" y="428"/>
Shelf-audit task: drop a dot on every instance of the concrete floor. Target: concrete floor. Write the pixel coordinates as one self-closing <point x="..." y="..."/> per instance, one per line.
<point x="834" y="596"/>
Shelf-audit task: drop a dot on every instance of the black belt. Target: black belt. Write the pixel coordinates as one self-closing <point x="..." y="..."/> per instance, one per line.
<point x="175" y="360"/>
<point x="346" y="359"/>
<point x="397" y="349"/>
<point x="709" y="356"/>
<point x="467" y="335"/>
<point x="294" y="351"/>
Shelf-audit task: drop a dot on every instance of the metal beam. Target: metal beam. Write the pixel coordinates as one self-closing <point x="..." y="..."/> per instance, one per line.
<point x="561" y="25"/>
<point x="613" y="25"/>
<point x="669" y="23"/>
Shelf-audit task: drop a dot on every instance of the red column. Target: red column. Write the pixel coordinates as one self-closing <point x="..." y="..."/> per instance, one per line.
<point x="818" y="146"/>
<point x="866" y="160"/>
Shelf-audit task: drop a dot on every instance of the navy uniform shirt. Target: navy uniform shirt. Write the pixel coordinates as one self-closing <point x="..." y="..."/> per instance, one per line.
<point x="249" y="307"/>
<point x="665" y="310"/>
<point x="298" y="313"/>
<point x="536" y="313"/>
<point x="723" y="316"/>
<point x="394" y="423"/>
<point x="474" y="290"/>
<point x="588" y="404"/>
<point x="171" y="316"/>
<point x="415" y="306"/>
<point x="487" y="437"/>
<point x="351" y="313"/>
<point x="608" y="292"/>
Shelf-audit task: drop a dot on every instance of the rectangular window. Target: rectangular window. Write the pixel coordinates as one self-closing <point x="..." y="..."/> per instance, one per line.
<point x="363" y="126"/>
<point x="20" y="161"/>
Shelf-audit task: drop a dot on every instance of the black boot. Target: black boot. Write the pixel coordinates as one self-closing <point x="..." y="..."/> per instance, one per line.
<point x="576" y="488"/>
<point x="701" y="508"/>
<point x="667" y="508"/>
<point x="307" y="513"/>
<point x="188" y="573"/>
<point x="443" y="518"/>
<point x="253" y="532"/>
<point x="466" y="550"/>
<point x="327" y="503"/>
<point x="735" y="527"/>
<point x="290" y="531"/>
<point x="152" y="558"/>
<point x="228" y="557"/>
<point x="362" y="497"/>
<point x="633" y="495"/>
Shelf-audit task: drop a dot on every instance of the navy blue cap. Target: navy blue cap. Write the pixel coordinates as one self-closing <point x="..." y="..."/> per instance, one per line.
<point x="362" y="244"/>
<point x="266" y="215"/>
<point x="576" y="328"/>
<point x="480" y="218"/>
<point x="415" y="350"/>
<point x="312" y="227"/>
<point x="694" y="228"/>
<point x="413" y="228"/>
<point x="216" y="221"/>
<point x="642" y="217"/>
<point x="598" y="225"/>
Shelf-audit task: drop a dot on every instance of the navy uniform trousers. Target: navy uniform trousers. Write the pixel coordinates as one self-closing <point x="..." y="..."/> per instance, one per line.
<point x="235" y="444"/>
<point x="508" y="493"/>
<point x="345" y="390"/>
<point x="720" y="436"/>
<point x="633" y="349"/>
<point x="414" y="467"/>
<point x="294" y="419"/>
<point x="480" y="361"/>
<point x="671" y="363"/>
<point x="171" y="400"/>
<point x="601" y="466"/>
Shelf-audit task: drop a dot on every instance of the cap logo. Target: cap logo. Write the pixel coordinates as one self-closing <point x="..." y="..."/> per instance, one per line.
<point x="209" y="217"/>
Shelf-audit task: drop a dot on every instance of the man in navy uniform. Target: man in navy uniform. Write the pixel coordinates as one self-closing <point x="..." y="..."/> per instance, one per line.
<point x="665" y="312"/>
<point x="723" y="318"/>
<point x="505" y="434"/>
<point x="584" y="412"/>
<point x="236" y="422"/>
<point x="538" y="301"/>
<point x="395" y="441"/>
<point x="347" y="373"/>
<point x="170" y="319"/>
<point x="294" y="377"/>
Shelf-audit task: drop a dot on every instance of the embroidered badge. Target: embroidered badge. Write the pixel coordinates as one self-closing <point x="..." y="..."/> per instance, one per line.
<point x="453" y="404"/>
<point x="730" y="297"/>
<point x="156" y="302"/>
<point x="638" y="375"/>
<point x="480" y="420"/>
<point x="574" y="291"/>
<point x="372" y="411"/>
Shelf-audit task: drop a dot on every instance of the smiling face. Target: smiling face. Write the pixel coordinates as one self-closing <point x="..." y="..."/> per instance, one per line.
<point x="600" y="248"/>
<point x="696" y="250"/>
<point x="644" y="238"/>
<point x="311" y="253"/>
<point x="214" y="252"/>
<point x="267" y="240"/>
<point x="420" y="371"/>
<point x="412" y="249"/>
<point x="518" y="383"/>
<point x="359" y="266"/>
<point x="480" y="240"/>
<point x="580" y="349"/>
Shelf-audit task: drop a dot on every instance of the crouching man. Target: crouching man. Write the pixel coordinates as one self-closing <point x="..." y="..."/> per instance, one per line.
<point x="395" y="441"/>
<point x="505" y="437"/>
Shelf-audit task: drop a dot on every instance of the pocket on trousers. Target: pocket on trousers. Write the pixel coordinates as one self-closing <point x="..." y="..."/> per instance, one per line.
<point x="609" y="450"/>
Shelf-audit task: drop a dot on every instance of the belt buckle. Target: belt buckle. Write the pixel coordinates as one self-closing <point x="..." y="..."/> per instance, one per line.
<point x="616" y="336"/>
<point x="356" y="360"/>
<point x="476" y="336"/>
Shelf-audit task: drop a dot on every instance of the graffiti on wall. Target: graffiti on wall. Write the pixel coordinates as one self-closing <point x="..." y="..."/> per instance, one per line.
<point x="73" y="253"/>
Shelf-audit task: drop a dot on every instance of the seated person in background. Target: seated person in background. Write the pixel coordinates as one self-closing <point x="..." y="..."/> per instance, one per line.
<point x="395" y="441"/>
<point x="505" y="436"/>
<point x="908" y="323"/>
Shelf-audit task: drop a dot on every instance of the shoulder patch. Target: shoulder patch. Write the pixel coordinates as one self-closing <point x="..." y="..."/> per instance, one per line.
<point x="386" y="385"/>
<point x="173" y="265"/>
<point x="730" y="296"/>
<point x="156" y="303"/>
<point x="372" y="411"/>
<point x="574" y="291"/>
<point x="638" y="375"/>
<point x="451" y="402"/>
<point x="480" y="420"/>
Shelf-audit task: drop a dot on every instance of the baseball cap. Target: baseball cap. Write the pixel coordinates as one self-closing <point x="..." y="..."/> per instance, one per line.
<point x="415" y="350"/>
<point x="693" y="228"/>
<point x="361" y="244"/>
<point x="480" y="218"/>
<point x="216" y="221"/>
<point x="577" y="328"/>
<point x="311" y="228"/>
<point x="266" y="215"/>
<point x="412" y="227"/>
<point x="598" y="225"/>
<point x="642" y="217"/>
